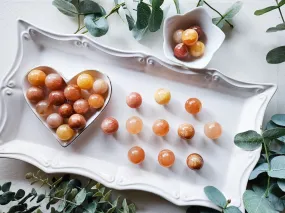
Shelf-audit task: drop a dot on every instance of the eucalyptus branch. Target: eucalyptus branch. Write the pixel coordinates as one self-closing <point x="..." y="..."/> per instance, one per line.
<point x="36" y="178"/>
<point x="269" y="167"/>
<point x="115" y="9"/>
<point x="280" y="11"/>
<point x="222" y="17"/>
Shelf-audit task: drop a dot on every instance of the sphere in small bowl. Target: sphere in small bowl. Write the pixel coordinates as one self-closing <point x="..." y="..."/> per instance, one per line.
<point x="189" y="37"/>
<point x="81" y="106"/>
<point x="65" y="110"/>
<point x="43" y="108"/>
<point x="136" y="155"/>
<point x="56" y="98"/>
<point x="166" y="158"/>
<point x="162" y="96"/>
<point x="54" y="81"/>
<point x="193" y="105"/>
<point x="35" y="94"/>
<point x="160" y="127"/>
<point x="181" y="51"/>
<point x="72" y="92"/>
<point x="96" y="101"/>
<point x="37" y="77"/>
<point x="64" y="132"/>
<point x="76" y="121"/>
<point x="186" y="131"/>
<point x="195" y="161"/>
<point x="197" y="50"/>
<point x="134" y="100"/>
<point x="199" y="30"/>
<point x="110" y="125"/>
<point x="213" y="130"/>
<point x="100" y="86"/>
<point x="85" y="81"/>
<point x="134" y="125"/>
<point x="177" y="36"/>
<point x="54" y="120"/>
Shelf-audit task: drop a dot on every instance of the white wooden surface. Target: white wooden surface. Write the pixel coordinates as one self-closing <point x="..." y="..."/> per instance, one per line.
<point x="242" y="56"/>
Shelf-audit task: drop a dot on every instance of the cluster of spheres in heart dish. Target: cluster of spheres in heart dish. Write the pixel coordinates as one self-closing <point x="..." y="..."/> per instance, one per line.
<point x="64" y="110"/>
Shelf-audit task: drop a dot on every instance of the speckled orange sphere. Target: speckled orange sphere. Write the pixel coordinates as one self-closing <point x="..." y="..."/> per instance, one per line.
<point x="35" y="94"/>
<point x="85" y="81"/>
<point x="37" y="77"/>
<point x="195" y="161"/>
<point x="213" y="130"/>
<point x="96" y="101"/>
<point x="166" y="158"/>
<point x="56" y="98"/>
<point x="54" y="120"/>
<point x="193" y="105"/>
<point x="72" y="92"/>
<point x="186" y="131"/>
<point x="134" y="100"/>
<point x="100" y="86"/>
<point x="76" y="121"/>
<point x="197" y="49"/>
<point x="136" y="155"/>
<point x="162" y="96"/>
<point x="65" y="110"/>
<point x="81" y="106"/>
<point x="160" y="127"/>
<point x="109" y="125"/>
<point x="43" y="108"/>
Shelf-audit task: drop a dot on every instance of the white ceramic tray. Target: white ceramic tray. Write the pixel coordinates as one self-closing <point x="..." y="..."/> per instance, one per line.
<point x="238" y="106"/>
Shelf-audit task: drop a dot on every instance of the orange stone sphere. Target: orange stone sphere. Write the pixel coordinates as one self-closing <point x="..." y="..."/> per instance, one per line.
<point x="37" y="77"/>
<point x="190" y="37"/>
<point x="160" y="127"/>
<point x="195" y="161"/>
<point x="213" y="130"/>
<point x="197" y="49"/>
<point x="96" y="101"/>
<point x="186" y="131"/>
<point x="136" y="155"/>
<point x="134" y="100"/>
<point x="193" y="105"/>
<point x="109" y="125"/>
<point x="166" y="158"/>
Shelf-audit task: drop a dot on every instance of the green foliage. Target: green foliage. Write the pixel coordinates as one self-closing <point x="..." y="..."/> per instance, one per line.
<point x="97" y="26"/>
<point x="249" y="140"/>
<point x="276" y="55"/>
<point x="143" y="14"/>
<point x="64" y="195"/>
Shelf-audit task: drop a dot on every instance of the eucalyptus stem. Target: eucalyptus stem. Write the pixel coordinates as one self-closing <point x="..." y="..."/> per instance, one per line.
<point x="86" y="31"/>
<point x="222" y="17"/>
<point x="280" y="11"/>
<point x="42" y="181"/>
<point x="115" y="9"/>
<point x="269" y="167"/>
<point x="78" y="20"/>
<point x="80" y="29"/>
<point x="198" y="3"/>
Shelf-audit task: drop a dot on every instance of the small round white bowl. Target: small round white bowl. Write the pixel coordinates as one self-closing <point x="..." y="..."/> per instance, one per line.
<point x="214" y="36"/>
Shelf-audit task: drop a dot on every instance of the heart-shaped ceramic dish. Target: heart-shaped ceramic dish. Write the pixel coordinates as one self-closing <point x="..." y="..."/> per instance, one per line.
<point x="90" y="116"/>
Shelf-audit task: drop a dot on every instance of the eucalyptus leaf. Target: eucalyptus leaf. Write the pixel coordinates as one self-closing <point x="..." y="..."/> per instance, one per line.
<point x="138" y="34"/>
<point x="281" y="184"/>
<point x="156" y="3"/>
<point x="265" y="10"/>
<point x="249" y="140"/>
<point x="17" y="208"/>
<point x="90" y="7"/>
<point x="276" y="202"/>
<point x="6" y="187"/>
<point x="155" y="20"/>
<point x="106" y="196"/>
<point x="272" y="125"/>
<point x="232" y="209"/>
<point x="125" y="206"/>
<point x="40" y="198"/>
<point x="131" y="21"/>
<point x="143" y="14"/>
<point x="274" y="133"/>
<point x="258" y="170"/>
<point x="276" y="55"/>
<point x="279" y="27"/>
<point x="32" y="209"/>
<point x="6" y="197"/>
<point x="233" y="10"/>
<point x="80" y="197"/>
<point x="19" y="194"/>
<point x="111" y="210"/>
<point x="176" y="3"/>
<point x="132" y="208"/>
<point x="65" y="7"/>
<point x="61" y="206"/>
<point x="215" y="196"/>
<point x="281" y="3"/>
<point x="200" y="3"/>
<point x="254" y="203"/>
<point x="72" y="194"/>
<point x="219" y="22"/>
<point x="39" y="211"/>
<point x="96" y="26"/>
<point x="279" y="119"/>
<point x="91" y="207"/>
<point x="277" y="167"/>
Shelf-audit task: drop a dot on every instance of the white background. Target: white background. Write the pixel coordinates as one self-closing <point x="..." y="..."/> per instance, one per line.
<point x="242" y="56"/>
